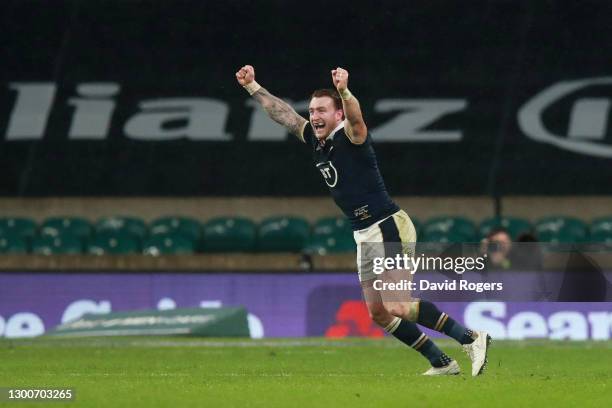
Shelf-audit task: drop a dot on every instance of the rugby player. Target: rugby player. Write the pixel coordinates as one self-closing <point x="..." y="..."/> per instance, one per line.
<point x="342" y="149"/>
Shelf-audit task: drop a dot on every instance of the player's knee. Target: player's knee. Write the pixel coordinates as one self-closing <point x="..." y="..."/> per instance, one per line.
<point x="379" y="314"/>
<point x="405" y="310"/>
<point x="398" y="310"/>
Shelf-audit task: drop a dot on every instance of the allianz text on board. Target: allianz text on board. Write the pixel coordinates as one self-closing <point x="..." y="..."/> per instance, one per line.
<point x="205" y="119"/>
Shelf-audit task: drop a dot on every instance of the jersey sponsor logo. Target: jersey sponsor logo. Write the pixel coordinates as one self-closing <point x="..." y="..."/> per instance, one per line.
<point x="362" y="213"/>
<point x="329" y="172"/>
<point x="587" y="102"/>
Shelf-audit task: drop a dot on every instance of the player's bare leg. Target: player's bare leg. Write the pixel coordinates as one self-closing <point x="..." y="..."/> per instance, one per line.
<point x="388" y="316"/>
<point x="425" y="313"/>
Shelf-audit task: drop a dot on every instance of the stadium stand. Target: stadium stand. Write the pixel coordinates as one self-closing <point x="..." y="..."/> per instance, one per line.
<point x="449" y="229"/>
<point x="283" y="233"/>
<point x="117" y="243"/>
<point x="169" y="244"/>
<point x="11" y="243"/>
<point x="437" y="236"/>
<point x="601" y="230"/>
<point x="188" y="227"/>
<point x="177" y="234"/>
<point x="229" y="234"/>
<point x="330" y="235"/>
<point x="561" y="229"/>
<point x="60" y="245"/>
<point x="323" y="245"/>
<point x="118" y="225"/>
<point x="514" y="225"/>
<point x="18" y="226"/>
<point x="67" y="225"/>
<point x="331" y="226"/>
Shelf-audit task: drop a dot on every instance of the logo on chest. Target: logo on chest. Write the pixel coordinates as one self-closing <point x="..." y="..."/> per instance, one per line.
<point x="329" y="172"/>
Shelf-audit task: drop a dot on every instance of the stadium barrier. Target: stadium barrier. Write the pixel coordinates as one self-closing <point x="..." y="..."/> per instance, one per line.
<point x="279" y="304"/>
<point x="283" y="262"/>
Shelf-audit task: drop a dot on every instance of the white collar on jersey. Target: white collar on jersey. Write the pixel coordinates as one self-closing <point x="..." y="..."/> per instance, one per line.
<point x="333" y="133"/>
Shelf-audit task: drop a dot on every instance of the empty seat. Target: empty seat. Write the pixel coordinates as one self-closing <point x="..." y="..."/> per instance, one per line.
<point x="601" y="232"/>
<point x="283" y="234"/>
<point x="64" y="245"/>
<point x="417" y="226"/>
<point x="60" y="226"/>
<point x="20" y="226"/>
<point x="229" y="234"/>
<point x="169" y="244"/>
<point x="133" y="226"/>
<point x="601" y="225"/>
<point x="514" y="225"/>
<point x="561" y="229"/>
<point x="454" y="228"/>
<point x="331" y="235"/>
<point x="443" y="237"/>
<point x="322" y="245"/>
<point x="331" y="225"/>
<point x="188" y="227"/>
<point x="114" y="244"/>
<point x="12" y="243"/>
<point x="601" y="236"/>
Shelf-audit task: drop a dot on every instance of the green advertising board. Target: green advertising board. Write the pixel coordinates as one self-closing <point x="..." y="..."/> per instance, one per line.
<point x="203" y="322"/>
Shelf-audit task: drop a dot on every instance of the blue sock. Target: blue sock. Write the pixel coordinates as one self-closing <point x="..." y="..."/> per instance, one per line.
<point x="430" y="317"/>
<point x="408" y="333"/>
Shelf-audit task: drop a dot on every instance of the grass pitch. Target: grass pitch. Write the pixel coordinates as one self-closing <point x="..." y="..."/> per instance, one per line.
<point x="190" y="372"/>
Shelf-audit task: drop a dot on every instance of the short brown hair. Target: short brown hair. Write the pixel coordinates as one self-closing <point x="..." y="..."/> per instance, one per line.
<point x="332" y="93"/>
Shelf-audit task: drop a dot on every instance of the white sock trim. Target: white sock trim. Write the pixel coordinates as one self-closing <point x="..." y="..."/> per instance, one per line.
<point x="391" y="327"/>
<point x="418" y="340"/>
<point x="436" y="327"/>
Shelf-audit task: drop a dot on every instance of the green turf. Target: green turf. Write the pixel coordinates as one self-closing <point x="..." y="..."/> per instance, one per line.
<point x="189" y="372"/>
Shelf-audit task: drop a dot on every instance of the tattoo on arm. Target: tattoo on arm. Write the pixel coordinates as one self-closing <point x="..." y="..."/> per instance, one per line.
<point x="280" y="111"/>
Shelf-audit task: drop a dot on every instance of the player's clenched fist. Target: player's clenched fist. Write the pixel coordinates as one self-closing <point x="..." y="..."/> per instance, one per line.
<point x="340" y="78"/>
<point x="245" y="75"/>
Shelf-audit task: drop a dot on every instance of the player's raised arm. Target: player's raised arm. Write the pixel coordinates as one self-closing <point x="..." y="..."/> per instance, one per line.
<point x="354" y="125"/>
<point x="279" y="110"/>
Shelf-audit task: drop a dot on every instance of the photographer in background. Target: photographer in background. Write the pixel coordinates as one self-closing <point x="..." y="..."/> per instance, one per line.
<point x="497" y="245"/>
<point x="503" y="254"/>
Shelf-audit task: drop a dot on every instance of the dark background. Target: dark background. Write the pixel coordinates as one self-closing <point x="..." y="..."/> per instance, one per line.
<point x="495" y="54"/>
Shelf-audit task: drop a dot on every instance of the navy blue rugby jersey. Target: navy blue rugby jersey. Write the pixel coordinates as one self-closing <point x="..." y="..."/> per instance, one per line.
<point x="352" y="176"/>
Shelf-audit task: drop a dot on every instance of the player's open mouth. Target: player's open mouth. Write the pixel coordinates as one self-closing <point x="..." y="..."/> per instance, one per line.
<point x="318" y="126"/>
